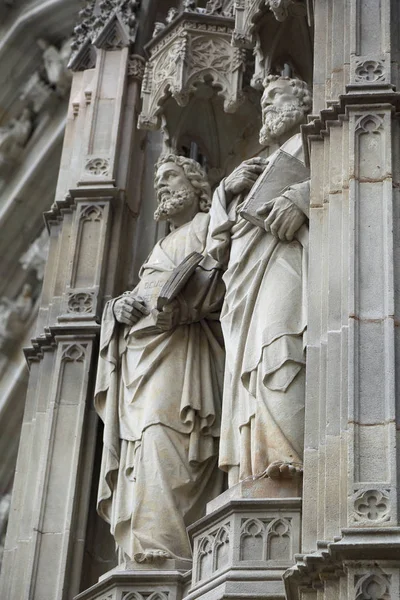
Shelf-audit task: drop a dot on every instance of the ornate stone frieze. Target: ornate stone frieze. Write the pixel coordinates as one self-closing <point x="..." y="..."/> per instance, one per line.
<point x="247" y="12"/>
<point x="193" y="49"/>
<point x="106" y="24"/>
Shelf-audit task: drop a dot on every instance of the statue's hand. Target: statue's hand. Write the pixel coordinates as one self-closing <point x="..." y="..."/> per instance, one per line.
<point x="242" y="179"/>
<point x="283" y="220"/>
<point x="128" y="310"/>
<point x="168" y="317"/>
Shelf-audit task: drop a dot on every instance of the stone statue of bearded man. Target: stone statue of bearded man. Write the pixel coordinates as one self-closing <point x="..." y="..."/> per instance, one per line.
<point x="159" y="391"/>
<point x="264" y="312"/>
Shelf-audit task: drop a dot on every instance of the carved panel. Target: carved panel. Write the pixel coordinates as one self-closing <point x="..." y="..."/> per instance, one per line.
<point x="266" y="539"/>
<point x="73" y="353"/>
<point x="89" y="244"/>
<point x="195" y="51"/>
<point x="279" y="540"/>
<point x="213" y="551"/>
<point x="373" y="586"/>
<point x="369" y="123"/>
<point x="89" y="239"/>
<point x="221" y="552"/>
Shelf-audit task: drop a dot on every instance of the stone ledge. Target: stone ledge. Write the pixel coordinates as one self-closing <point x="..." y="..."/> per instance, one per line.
<point x="330" y="558"/>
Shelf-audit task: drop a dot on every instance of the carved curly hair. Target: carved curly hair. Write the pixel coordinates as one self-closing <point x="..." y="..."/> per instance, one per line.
<point x="195" y="174"/>
<point x="301" y="89"/>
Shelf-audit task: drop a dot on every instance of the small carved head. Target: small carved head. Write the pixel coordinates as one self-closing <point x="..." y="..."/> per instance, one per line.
<point x="284" y="104"/>
<point x="182" y="188"/>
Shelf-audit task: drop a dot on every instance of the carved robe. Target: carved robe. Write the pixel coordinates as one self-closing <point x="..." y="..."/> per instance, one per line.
<point x="159" y="397"/>
<point x="263" y="321"/>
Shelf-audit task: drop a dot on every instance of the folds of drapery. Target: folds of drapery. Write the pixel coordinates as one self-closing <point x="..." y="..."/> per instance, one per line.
<point x="170" y="379"/>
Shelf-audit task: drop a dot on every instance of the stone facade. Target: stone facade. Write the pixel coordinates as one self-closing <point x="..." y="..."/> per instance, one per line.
<point x="147" y="79"/>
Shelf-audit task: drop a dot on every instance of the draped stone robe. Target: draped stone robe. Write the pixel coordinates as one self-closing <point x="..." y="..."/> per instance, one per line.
<point x="263" y="321"/>
<point x="159" y="396"/>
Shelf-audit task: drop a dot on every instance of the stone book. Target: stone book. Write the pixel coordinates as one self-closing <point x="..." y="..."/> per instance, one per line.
<point x="170" y="289"/>
<point x="178" y="279"/>
<point x="282" y="172"/>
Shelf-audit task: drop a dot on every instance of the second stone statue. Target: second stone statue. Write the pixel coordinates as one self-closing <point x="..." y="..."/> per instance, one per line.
<point x="159" y="384"/>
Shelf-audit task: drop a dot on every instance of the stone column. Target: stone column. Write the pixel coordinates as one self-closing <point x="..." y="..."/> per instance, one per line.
<point x="350" y="503"/>
<point x="88" y="224"/>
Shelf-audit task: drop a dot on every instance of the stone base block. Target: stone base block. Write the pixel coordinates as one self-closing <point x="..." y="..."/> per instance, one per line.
<point x="140" y="584"/>
<point x="245" y="543"/>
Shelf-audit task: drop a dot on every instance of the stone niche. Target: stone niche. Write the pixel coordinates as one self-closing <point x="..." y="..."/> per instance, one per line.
<point x="194" y="71"/>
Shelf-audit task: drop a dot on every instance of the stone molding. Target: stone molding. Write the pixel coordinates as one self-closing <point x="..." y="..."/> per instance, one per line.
<point x="59" y="208"/>
<point x="193" y="49"/>
<point x="318" y="126"/>
<point x="333" y="559"/>
<point x="47" y="341"/>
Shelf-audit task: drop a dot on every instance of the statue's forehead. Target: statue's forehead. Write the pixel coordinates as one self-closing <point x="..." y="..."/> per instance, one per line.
<point x="279" y="84"/>
<point x="168" y="166"/>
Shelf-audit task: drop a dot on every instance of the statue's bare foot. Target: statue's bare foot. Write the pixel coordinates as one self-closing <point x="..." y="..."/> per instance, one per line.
<point x="280" y="469"/>
<point x="152" y="555"/>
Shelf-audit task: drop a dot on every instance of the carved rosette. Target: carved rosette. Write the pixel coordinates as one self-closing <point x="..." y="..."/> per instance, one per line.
<point x="247" y="12"/>
<point x="372" y="506"/>
<point x="370" y="70"/>
<point x="194" y="49"/>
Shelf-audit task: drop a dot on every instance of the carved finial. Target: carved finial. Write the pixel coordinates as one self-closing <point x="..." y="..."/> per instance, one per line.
<point x="107" y="24"/>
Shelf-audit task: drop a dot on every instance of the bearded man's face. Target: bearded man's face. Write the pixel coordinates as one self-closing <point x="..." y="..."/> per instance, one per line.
<point x="174" y="191"/>
<point x="281" y="110"/>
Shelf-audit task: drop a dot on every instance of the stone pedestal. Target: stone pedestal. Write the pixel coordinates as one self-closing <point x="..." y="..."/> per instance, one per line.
<point x="124" y="583"/>
<point x="241" y="548"/>
<point x="246" y="541"/>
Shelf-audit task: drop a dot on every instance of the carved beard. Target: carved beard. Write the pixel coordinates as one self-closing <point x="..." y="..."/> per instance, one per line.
<point x="277" y="121"/>
<point x="172" y="204"/>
